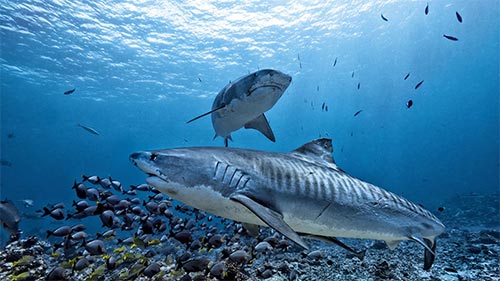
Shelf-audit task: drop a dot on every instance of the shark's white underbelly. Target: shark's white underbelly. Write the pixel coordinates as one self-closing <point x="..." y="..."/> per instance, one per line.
<point x="208" y="200"/>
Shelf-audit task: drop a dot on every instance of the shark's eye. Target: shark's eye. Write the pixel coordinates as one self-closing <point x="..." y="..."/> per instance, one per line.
<point x="153" y="156"/>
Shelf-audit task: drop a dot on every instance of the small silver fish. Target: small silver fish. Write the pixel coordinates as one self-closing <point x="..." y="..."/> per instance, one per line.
<point x="88" y="129"/>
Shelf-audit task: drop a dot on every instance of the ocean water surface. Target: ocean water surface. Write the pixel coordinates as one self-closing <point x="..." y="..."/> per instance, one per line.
<point x="141" y="69"/>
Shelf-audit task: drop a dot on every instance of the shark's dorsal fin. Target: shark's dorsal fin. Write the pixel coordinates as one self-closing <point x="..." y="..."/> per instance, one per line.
<point x="260" y="124"/>
<point x="318" y="148"/>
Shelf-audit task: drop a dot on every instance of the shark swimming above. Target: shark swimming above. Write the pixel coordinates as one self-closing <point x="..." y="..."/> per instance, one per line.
<point x="242" y="103"/>
<point x="300" y="194"/>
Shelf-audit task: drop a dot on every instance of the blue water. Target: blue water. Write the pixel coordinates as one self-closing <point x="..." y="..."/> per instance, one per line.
<point x="137" y="66"/>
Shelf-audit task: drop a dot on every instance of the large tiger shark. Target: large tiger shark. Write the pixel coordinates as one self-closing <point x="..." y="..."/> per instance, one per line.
<point x="300" y="194"/>
<point x="242" y="103"/>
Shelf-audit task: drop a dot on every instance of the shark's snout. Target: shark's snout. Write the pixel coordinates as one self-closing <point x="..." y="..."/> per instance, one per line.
<point x="143" y="160"/>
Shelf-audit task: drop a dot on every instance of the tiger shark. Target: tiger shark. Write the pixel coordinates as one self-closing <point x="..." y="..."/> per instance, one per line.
<point x="242" y="103"/>
<point x="301" y="194"/>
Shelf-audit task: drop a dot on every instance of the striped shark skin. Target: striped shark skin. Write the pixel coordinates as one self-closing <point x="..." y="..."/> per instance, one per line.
<point x="301" y="194"/>
<point x="242" y="103"/>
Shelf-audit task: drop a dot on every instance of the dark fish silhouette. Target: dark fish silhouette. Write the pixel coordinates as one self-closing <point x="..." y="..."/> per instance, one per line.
<point x="326" y="107"/>
<point x="199" y="79"/>
<point x="5" y="163"/>
<point x="300" y="65"/>
<point x="352" y="75"/>
<point x="359" y="85"/>
<point x="357" y="112"/>
<point x="407" y="75"/>
<point x="427" y="9"/>
<point x="441" y="209"/>
<point x="409" y="103"/>
<point x="323" y="107"/>
<point x="317" y="88"/>
<point x="9" y="219"/>
<point x="459" y="17"/>
<point x="335" y="62"/>
<point x="69" y="92"/>
<point x="384" y="18"/>
<point x="450" y="37"/>
<point x="418" y="84"/>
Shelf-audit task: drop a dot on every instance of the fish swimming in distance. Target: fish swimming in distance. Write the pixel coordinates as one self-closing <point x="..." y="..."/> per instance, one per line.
<point x="9" y="219"/>
<point x="242" y="103"/>
<point x="451" y="38"/>
<point x="358" y="112"/>
<point x="407" y="75"/>
<point x="69" y="92"/>
<point x="88" y="129"/>
<point x="409" y="103"/>
<point x="273" y="189"/>
<point x="384" y="18"/>
<point x="419" y="84"/>
<point x="335" y="62"/>
<point x="459" y="17"/>
<point x="28" y="203"/>
<point x="426" y="9"/>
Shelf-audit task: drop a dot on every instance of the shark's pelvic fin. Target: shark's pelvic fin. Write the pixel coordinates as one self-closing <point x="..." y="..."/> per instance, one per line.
<point x="205" y="114"/>
<point x="226" y="140"/>
<point x="270" y="217"/>
<point x="334" y="240"/>
<point x="392" y="244"/>
<point x="260" y="124"/>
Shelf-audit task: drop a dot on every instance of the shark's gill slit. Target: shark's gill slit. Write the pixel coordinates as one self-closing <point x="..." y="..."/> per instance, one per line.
<point x="216" y="168"/>
<point x="224" y="174"/>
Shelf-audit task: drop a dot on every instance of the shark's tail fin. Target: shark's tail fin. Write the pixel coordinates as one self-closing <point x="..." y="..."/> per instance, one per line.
<point x="429" y="252"/>
<point x="429" y="256"/>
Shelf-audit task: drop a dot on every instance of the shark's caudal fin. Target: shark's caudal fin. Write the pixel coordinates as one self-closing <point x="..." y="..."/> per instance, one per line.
<point x="429" y="256"/>
<point x="205" y="114"/>
<point x="429" y="252"/>
<point x="270" y="217"/>
<point x="260" y="124"/>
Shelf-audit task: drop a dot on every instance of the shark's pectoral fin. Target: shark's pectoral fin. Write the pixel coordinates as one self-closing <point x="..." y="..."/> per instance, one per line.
<point x="260" y="124"/>
<point x="430" y="250"/>
<point x="205" y="114"/>
<point x="334" y="240"/>
<point x="270" y="217"/>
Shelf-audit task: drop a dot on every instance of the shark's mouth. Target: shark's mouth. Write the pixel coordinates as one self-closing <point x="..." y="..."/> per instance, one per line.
<point x="155" y="177"/>
<point x="273" y="86"/>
